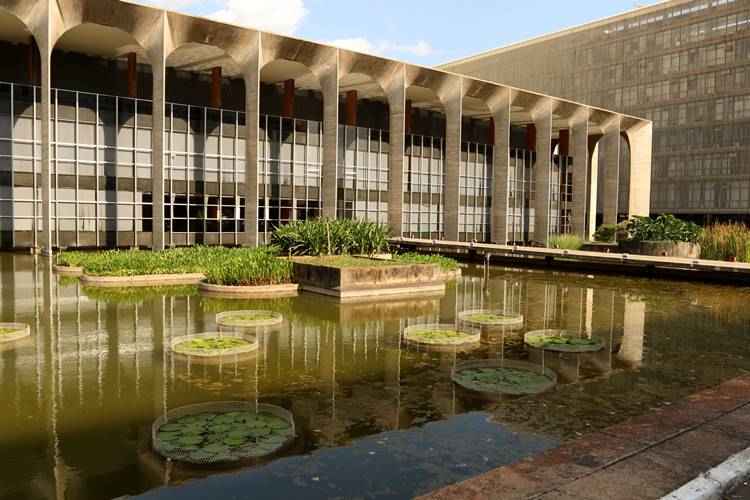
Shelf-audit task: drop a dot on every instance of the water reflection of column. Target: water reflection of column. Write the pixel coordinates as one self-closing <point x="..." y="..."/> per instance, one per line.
<point x="631" y="349"/>
<point x="159" y="335"/>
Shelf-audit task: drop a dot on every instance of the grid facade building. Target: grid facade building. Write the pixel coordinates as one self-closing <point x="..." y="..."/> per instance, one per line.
<point x="685" y="65"/>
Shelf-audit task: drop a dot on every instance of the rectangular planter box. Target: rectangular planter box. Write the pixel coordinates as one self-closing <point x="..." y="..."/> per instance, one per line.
<point x="377" y="282"/>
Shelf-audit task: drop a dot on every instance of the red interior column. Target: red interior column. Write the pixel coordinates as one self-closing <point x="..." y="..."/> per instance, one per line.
<point x="407" y="117"/>
<point x="132" y="75"/>
<point x="216" y="87"/>
<point x="351" y="108"/>
<point x="564" y="142"/>
<point x="491" y="132"/>
<point x="531" y="137"/>
<point x="287" y="105"/>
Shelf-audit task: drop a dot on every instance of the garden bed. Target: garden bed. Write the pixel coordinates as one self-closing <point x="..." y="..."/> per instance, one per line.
<point x="248" y="319"/>
<point x="562" y="341"/>
<point x="497" y="378"/>
<point x="10" y="332"/>
<point x="214" y="345"/>
<point x="223" y="433"/>
<point x="441" y="337"/>
<point x="350" y="279"/>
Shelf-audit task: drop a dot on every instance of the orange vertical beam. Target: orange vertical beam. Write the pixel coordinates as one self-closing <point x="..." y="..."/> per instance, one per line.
<point x="531" y="137"/>
<point x="132" y="75"/>
<point x="407" y="117"/>
<point x="491" y="132"/>
<point x="216" y="87"/>
<point x="565" y="142"/>
<point x="287" y="106"/>
<point x="351" y="108"/>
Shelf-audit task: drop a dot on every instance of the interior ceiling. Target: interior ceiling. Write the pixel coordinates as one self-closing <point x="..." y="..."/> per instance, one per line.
<point x="12" y="29"/>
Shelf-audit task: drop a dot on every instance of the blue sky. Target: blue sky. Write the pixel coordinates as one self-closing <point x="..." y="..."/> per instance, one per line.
<point x="426" y="32"/>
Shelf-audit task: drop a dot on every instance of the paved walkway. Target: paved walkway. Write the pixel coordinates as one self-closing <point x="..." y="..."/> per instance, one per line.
<point x="643" y="458"/>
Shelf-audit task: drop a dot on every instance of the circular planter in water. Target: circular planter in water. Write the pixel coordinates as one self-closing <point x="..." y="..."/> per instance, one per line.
<point x="441" y="337"/>
<point x="10" y="332"/>
<point x="214" y="345"/>
<point x="562" y="341"/>
<point x="248" y="319"/>
<point x="496" y="377"/>
<point x="222" y="433"/>
<point x="491" y="319"/>
<point x="248" y="292"/>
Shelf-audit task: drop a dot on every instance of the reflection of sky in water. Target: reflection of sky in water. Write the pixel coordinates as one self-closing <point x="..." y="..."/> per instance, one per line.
<point x="80" y="395"/>
<point x="398" y="464"/>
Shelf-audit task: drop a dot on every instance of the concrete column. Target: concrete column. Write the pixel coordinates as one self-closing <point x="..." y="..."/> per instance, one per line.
<point x="453" y="104"/>
<point x="158" y="68"/>
<point x="351" y="108"/>
<point x="287" y="105"/>
<point x="132" y="75"/>
<point x="500" y="165"/>
<point x="46" y="241"/>
<point x="640" y="138"/>
<point x="611" y="144"/>
<point x="216" y="87"/>
<point x="634" y="325"/>
<point x="580" y="147"/>
<point x="542" y="171"/>
<point x="398" y="112"/>
<point x="329" y="83"/>
<point x="252" y="118"/>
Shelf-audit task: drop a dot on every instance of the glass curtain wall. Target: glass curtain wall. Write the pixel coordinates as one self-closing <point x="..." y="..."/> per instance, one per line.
<point x="290" y="170"/>
<point x="521" y="196"/>
<point x="424" y="178"/>
<point x="363" y="174"/>
<point x="475" y="185"/>
<point x="561" y="194"/>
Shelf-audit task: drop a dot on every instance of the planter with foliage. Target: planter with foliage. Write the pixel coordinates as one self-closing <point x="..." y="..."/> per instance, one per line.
<point x="233" y="432"/>
<point x="726" y="242"/>
<point x="665" y="236"/>
<point x="252" y="274"/>
<point x="331" y="237"/>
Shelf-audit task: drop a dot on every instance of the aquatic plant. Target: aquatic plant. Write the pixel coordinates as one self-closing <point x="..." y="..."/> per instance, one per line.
<point x="248" y="319"/>
<point x="606" y="233"/>
<point x="561" y="340"/>
<point x="439" y="335"/>
<point x="503" y="380"/>
<point x="663" y="228"/>
<point x="565" y="242"/>
<point x="331" y="237"/>
<point x="446" y="263"/>
<point x="71" y="258"/>
<point x="211" y="344"/>
<point x="250" y="267"/>
<point x="215" y="437"/>
<point x="727" y="242"/>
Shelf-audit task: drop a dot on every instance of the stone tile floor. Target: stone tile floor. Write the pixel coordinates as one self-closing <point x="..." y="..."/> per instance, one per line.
<point x="643" y="458"/>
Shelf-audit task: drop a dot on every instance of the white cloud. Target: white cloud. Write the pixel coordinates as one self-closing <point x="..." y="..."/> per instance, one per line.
<point x="281" y="16"/>
<point x="359" y="44"/>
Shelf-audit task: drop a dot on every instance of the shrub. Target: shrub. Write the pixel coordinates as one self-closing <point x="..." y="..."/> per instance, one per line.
<point x="566" y="242"/>
<point x="250" y="267"/>
<point x="331" y="237"/>
<point x="446" y="263"/>
<point x="726" y="242"/>
<point x="606" y="233"/>
<point x="663" y="228"/>
<point x="71" y="259"/>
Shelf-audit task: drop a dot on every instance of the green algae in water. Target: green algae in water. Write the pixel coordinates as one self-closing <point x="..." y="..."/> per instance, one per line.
<point x="7" y="331"/>
<point x="212" y="344"/>
<point x="242" y="319"/>
<point x="503" y="380"/>
<point x="211" y="437"/>
<point x="439" y="337"/>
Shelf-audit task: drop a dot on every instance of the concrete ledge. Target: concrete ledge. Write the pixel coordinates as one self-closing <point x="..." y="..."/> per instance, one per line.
<point x="71" y="271"/>
<point x="149" y="280"/>
<point x="361" y="295"/>
<point x="248" y="292"/>
<point x="713" y="484"/>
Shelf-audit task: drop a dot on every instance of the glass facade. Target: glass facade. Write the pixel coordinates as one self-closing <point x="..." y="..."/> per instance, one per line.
<point x="521" y="196"/>
<point x="475" y="190"/>
<point x="363" y="174"/>
<point x="424" y="179"/>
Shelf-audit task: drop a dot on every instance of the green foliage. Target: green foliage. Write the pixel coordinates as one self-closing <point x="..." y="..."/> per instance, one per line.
<point x="502" y="380"/>
<point x="211" y="344"/>
<point x="250" y="267"/>
<point x="71" y="259"/>
<point x="438" y="336"/>
<point x="726" y="242"/>
<point x="663" y="228"/>
<point x="606" y="233"/>
<point x="331" y="237"/>
<point x="566" y="242"/>
<point x="558" y="340"/>
<point x="446" y="263"/>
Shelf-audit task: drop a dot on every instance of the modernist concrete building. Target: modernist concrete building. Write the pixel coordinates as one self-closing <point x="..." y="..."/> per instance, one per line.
<point x="125" y="125"/>
<point x="685" y="64"/>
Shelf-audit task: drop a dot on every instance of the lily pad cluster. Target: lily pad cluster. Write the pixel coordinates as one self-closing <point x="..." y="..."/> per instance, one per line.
<point x="562" y="341"/>
<point x="504" y="380"/>
<point x="491" y="318"/>
<point x="208" y="345"/>
<point x="232" y="436"/>
<point x="440" y="335"/>
<point x="248" y="319"/>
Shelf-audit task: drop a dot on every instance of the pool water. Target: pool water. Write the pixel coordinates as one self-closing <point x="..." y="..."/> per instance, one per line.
<point x="375" y="418"/>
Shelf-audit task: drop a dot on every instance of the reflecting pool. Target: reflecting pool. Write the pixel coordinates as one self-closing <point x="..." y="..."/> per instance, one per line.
<point x="375" y="418"/>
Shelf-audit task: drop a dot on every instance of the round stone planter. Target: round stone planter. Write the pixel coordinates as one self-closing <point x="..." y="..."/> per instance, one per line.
<point x="483" y="318"/>
<point x="11" y="332"/>
<point x="441" y="337"/>
<point x="561" y="341"/>
<point x="248" y="292"/>
<point x="248" y="319"/>
<point x="150" y="280"/>
<point x="228" y="433"/>
<point x="662" y="248"/>
<point x="241" y="346"/>
<point x="69" y="271"/>
<point x="495" y="378"/>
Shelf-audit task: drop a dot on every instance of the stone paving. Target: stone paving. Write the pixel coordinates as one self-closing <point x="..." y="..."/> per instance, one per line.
<point x="642" y="458"/>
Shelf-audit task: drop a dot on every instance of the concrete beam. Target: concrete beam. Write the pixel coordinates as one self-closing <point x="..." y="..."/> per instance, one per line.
<point x="252" y="117"/>
<point x="611" y="171"/>
<point x="542" y="170"/>
<point x="580" y="148"/>
<point x="158" y="55"/>
<point x="329" y="84"/>
<point x="399" y="109"/>
<point x="453" y="104"/>
<point x="501" y="112"/>
<point x="640" y="137"/>
<point x="46" y="241"/>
